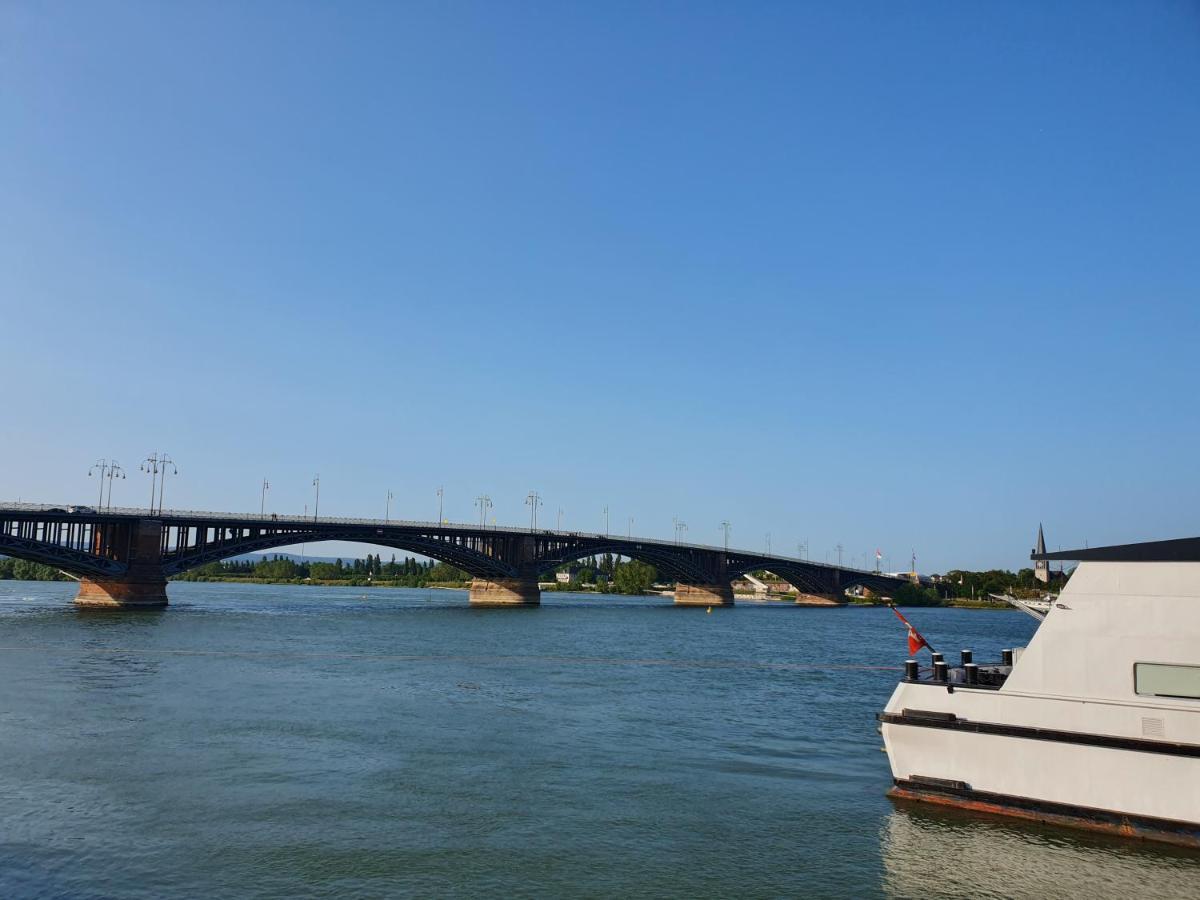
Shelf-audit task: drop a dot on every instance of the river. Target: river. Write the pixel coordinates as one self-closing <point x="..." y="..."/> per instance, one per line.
<point x="281" y="741"/>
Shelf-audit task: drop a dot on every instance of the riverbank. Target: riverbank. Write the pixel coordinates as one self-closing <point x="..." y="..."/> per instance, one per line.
<point x="329" y="582"/>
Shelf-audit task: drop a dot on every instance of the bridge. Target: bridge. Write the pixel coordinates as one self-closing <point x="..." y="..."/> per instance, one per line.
<point x="123" y="557"/>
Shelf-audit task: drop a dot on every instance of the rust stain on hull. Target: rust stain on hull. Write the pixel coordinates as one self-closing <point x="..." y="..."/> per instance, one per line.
<point x="1125" y="828"/>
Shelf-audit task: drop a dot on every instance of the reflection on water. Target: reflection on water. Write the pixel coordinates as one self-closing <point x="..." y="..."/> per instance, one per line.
<point x="282" y="741"/>
<point x="931" y="851"/>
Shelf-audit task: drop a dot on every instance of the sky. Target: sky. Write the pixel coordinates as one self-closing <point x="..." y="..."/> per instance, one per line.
<point x="913" y="277"/>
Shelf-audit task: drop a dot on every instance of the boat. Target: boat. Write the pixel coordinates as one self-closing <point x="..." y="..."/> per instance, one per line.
<point x="1095" y="724"/>
<point x="1038" y="607"/>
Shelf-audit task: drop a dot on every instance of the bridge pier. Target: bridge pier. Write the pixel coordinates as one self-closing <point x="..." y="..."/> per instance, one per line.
<point x="523" y="591"/>
<point x="718" y="594"/>
<point x="143" y="586"/>
<point x="104" y="593"/>
<point x="804" y="599"/>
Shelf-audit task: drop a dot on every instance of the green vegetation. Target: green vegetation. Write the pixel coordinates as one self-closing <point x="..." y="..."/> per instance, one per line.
<point x="963" y="588"/>
<point x="634" y="577"/>
<point x="370" y="571"/>
<point x="24" y="570"/>
<point x="607" y="574"/>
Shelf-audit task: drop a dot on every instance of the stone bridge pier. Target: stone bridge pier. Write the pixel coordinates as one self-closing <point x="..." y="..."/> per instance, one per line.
<point x="714" y="589"/>
<point x="143" y="586"/>
<point x="520" y="591"/>
<point x="717" y="593"/>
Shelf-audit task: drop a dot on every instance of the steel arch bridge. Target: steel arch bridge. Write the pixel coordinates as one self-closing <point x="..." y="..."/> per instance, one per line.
<point x="123" y="557"/>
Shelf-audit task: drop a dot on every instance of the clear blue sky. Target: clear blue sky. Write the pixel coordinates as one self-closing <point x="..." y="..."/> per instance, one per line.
<point x="908" y="276"/>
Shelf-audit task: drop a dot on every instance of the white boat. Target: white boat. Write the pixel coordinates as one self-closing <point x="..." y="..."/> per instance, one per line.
<point x="1038" y="607"/>
<point x="1095" y="724"/>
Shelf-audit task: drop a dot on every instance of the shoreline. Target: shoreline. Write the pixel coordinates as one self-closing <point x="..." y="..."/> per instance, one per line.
<point x="466" y="585"/>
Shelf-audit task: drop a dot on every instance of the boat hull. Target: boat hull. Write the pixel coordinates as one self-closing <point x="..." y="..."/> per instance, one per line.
<point x="1182" y="834"/>
<point x="1090" y="764"/>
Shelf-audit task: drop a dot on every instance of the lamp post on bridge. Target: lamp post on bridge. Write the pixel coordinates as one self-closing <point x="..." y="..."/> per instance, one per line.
<point x="629" y="528"/>
<point x="768" y="543"/>
<point x="162" y="482"/>
<point x="558" y="527"/>
<point x="110" y="469"/>
<point x="725" y="526"/>
<point x="317" y="501"/>
<point x="156" y="463"/>
<point x="839" y="548"/>
<point x="484" y="502"/>
<point x="606" y="521"/>
<point x="802" y="550"/>
<point x="387" y="507"/>
<point x="262" y="508"/>
<point x="679" y="527"/>
<point x="533" y="501"/>
<point x="440" y="490"/>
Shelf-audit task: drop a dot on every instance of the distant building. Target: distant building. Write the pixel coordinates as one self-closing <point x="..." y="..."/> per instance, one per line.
<point x="1041" y="567"/>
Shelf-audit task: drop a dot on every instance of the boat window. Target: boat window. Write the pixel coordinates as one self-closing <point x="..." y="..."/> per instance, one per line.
<point x="1160" y="680"/>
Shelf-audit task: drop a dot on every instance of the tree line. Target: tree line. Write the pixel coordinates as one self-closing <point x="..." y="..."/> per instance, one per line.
<point x="407" y="573"/>
<point x="24" y="570"/>
<point x="606" y="574"/>
<point x="960" y="585"/>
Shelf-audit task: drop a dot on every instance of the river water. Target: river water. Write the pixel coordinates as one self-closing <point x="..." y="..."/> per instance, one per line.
<point x="277" y="741"/>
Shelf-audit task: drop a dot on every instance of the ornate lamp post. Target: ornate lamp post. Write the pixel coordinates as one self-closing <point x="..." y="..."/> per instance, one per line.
<point x="109" y="469"/>
<point x="158" y="464"/>
<point x="484" y="502"/>
<point x="533" y="501"/>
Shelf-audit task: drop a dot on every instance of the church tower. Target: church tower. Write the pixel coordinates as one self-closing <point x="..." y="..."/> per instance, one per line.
<point x="1041" y="567"/>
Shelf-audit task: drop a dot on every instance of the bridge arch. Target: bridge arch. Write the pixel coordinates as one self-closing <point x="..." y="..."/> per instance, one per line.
<point x="79" y="563"/>
<point x="667" y="562"/>
<point x="470" y="560"/>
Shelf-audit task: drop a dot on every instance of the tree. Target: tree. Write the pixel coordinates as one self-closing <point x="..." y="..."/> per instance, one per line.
<point x="915" y="595"/>
<point x="634" y="577"/>
<point x="278" y="569"/>
<point x="24" y="570"/>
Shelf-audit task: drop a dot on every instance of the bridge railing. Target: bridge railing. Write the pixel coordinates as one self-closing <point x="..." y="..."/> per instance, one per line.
<point x="276" y="519"/>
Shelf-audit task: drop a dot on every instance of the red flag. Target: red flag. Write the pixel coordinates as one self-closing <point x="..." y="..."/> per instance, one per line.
<point x="915" y="640"/>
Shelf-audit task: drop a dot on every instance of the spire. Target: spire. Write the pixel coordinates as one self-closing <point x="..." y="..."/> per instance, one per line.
<point x="1041" y="568"/>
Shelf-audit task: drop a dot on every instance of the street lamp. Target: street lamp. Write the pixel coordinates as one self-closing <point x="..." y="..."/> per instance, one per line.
<point x="262" y="508"/>
<point x="387" y="507"/>
<point x="317" y="503"/>
<point x="725" y="526"/>
<point x="802" y="550"/>
<point x="679" y="526"/>
<point x="110" y="469"/>
<point x="839" y="548"/>
<point x="559" y="526"/>
<point x="629" y="528"/>
<point x="439" y="493"/>
<point x="484" y="502"/>
<point x="533" y="501"/>
<point x="768" y="543"/>
<point x="156" y="464"/>
<point x="606" y="521"/>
